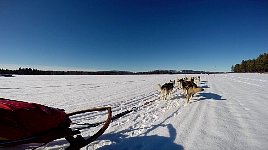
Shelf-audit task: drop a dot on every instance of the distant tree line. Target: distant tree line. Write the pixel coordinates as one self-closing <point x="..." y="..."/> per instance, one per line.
<point x="159" y="72"/>
<point x="30" y="71"/>
<point x="260" y="64"/>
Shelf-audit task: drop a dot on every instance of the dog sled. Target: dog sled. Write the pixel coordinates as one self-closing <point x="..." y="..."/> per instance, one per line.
<point x="25" y="123"/>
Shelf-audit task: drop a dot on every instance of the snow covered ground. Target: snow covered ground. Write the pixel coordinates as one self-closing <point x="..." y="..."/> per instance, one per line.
<point x="232" y="112"/>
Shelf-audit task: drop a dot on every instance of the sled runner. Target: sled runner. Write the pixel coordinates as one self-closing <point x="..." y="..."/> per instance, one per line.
<point x="24" y="123"/>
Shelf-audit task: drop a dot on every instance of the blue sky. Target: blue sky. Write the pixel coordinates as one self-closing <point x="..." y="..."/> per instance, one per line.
<point x="133" y="35"/>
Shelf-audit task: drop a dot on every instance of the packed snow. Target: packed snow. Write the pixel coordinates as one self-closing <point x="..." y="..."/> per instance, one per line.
<point x="231" y="113"/>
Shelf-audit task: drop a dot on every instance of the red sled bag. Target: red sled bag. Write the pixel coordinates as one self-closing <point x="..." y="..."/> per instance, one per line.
<point x="22" y="119"/>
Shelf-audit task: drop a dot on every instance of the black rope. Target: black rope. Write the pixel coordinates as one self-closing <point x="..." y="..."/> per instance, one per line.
<point x="90" y="125"/>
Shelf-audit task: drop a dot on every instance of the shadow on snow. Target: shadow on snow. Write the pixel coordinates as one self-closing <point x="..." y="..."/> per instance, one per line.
<point x="120" y="141"/>
<point x="203" y="84"/>
<point x="209" y="96"/>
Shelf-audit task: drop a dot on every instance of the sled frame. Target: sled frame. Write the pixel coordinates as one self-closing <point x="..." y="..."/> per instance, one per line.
<point x="79" y="142"/>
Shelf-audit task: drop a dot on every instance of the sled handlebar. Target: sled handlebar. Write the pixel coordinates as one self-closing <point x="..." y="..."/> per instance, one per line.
<point x="90" y="110"/>
<point x="81" y="142"/>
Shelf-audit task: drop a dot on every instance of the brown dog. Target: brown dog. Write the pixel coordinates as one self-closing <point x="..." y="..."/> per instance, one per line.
<point x="166" y="90"/>
<point x="189" y="89"/>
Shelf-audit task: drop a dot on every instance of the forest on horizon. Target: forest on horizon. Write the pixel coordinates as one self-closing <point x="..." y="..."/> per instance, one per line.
<point x="258" y="65"/>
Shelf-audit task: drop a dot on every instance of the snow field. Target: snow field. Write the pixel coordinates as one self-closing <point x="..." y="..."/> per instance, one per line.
<point x="230" y="114"/>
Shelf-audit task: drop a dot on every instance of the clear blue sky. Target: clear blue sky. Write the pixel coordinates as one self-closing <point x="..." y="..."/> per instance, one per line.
<point x="134" y="35"/>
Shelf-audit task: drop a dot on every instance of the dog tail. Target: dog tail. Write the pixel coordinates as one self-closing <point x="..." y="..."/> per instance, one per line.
<point x="198" y="89"/>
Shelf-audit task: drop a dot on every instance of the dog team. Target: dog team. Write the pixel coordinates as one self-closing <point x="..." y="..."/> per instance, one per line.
<point x="187" y="84"/>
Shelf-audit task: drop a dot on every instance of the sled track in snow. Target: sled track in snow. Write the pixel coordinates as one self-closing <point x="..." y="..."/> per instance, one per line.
<point x="119" y="107"/>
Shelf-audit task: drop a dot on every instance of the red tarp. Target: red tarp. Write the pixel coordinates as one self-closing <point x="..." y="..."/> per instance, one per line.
<point x="21" y="119"/>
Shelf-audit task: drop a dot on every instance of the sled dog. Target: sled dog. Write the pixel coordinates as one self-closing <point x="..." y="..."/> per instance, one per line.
<point x="178" y="84"/>
<point x="186" y="85"/>
<point x="189" y="89"/>
<point x="166" y="90"/>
